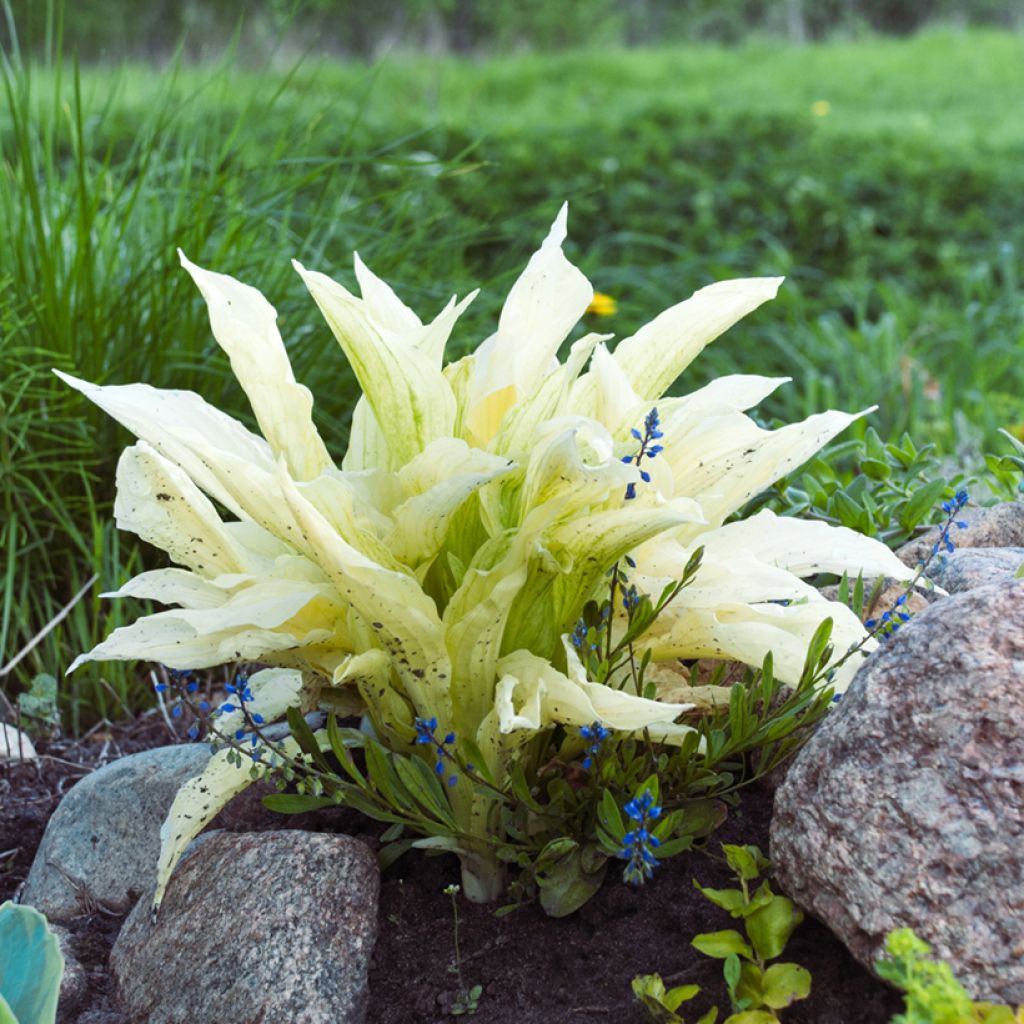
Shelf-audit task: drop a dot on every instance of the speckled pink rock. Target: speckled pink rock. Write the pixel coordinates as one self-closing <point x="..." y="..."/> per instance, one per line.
<point x="998" y="526"/>
<point x="906" y="808"/>
<point x="255" y="928"/>
<point x="967" y="568"/>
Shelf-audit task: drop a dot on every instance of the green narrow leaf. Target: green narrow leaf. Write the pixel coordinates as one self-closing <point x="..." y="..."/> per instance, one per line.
<point x="387" y="855"/>
<point x="296" y="803"/>
<point x="424" y="787"/>
<point x="303" y="735"/>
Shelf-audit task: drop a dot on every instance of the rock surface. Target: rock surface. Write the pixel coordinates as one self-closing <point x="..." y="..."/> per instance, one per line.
<point x="1000" y="526"/>
<point x="906" y="808"/>
<point x="74" y="983"/>
<point x="255" y="928"/>
<point x="15" y="745"/>
<point x="101" y="845"/>
<point x="967" y="568"/>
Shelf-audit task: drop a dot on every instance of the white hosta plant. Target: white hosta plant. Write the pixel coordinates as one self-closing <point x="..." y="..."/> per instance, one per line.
<point x="438" y="572"/>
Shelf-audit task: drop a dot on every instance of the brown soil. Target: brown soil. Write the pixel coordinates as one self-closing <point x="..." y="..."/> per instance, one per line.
<point x="533" y="969"/>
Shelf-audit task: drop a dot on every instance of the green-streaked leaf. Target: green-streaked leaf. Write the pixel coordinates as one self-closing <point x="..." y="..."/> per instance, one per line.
<point x="296" y="803"/>
<point x="770" y="927"/>
<point x="784" y="984"/>
<point x="721" y="944"/>
<point x="728" y="899"/>
<point x="424" y="786"/>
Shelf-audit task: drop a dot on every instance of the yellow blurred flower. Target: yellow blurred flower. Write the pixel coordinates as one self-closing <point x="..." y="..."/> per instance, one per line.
<point x="602" y="305"/>
<point x="821" y="108"/>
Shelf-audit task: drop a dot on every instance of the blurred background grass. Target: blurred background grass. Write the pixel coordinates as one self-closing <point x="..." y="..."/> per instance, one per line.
<point x="881" y="174"/>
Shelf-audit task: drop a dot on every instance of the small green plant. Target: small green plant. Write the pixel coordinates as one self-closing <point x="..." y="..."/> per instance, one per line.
<point x="661" y="1003"/>
<point x="468" y="1000"/>
<point x="31" y="967"/>
<point x="885" y="490"/>
<point x="757" y="988"/>
<point x="931" y="992"/>
<point x="38" y="706"/>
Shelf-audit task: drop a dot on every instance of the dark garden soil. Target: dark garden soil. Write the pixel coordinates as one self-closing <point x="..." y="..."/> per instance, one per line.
<point x="533" y="969"/>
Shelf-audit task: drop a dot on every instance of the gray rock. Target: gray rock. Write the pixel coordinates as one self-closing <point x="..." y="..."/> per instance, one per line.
<point x="967" y="568"/>
<point x="100" y="847"/>
<point x="256" y="927"/>
<point x="74" y="983"/>
<point x="906" y="808"/>
<point x="102" y="1017"/>
<point x="999" y="526"/>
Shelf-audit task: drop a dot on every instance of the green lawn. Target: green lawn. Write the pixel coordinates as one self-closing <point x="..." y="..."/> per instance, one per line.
<point x="897" y="216"/>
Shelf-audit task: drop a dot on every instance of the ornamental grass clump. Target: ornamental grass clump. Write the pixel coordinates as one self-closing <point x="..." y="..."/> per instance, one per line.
<point x="438" y="580"/>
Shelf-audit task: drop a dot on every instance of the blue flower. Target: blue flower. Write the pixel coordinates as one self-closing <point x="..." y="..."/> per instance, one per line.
<point x="578" y="637"/>
<point x="639" y="844"/>
<point x="647" y="449"/>
<point x="597" y="734"/>
<point x="425" y="729"/>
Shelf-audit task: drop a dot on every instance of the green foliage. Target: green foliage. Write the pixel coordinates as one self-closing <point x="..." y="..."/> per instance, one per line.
<point x="563" y="823"/>
<point x="31" y="967"/>
<point x="661" y="1004"/>
<point x="899" y="225"/>
<point x="883" y="490"/>
<point x="37" y="708"/>
<point x="118" y="27"/>
<point x="757" y="988"/>
<point x="932" y="994"/>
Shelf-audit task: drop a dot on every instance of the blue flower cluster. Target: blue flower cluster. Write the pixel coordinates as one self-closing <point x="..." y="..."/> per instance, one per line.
<point x="648" y="450"/>
<point x="951" y="508"/>
<point x="597" y="734"/>
<point x="638" y="845"/>
<point x="425" y="729"/>
<point x="890" y="621"/>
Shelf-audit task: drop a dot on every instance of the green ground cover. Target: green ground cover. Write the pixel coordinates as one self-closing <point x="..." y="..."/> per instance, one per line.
<point x="897" y="216"/>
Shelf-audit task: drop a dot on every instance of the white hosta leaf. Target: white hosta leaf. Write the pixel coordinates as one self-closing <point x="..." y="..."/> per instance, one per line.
<point x="432" y="338"/>
<point x="438" y="481"/>
<point x="200" y="800"/>
<point x="474" y="625"/>
<point x="557" y="470"/>
<point x="551" y="399"/>
<point x="272" y="616"/>
<point x="570" y="563"/>
<point x="616" y="402"/>
<point x="412" y="402"/>
<point x="159" y="503"/>
<point x="395" y="612"/>
<point x="180" y="587"/>
<point x="804" y="548"/>
<point x="720" y="577"/>
<point x="367" y="445"/>
<point x="245" y="326"/>
<point x="732" y="631"/>
<point x="729" y="459"/>
<point x="532" y="694"/>
<point x="733" y="393"/>
<point x="274" y="691"/>
<point x="659" y="352"/>
<point x="183" y="428"/>
<point x="384" y="306"/>
<point x="543" y="306"/>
